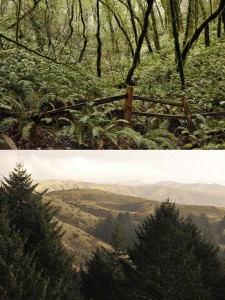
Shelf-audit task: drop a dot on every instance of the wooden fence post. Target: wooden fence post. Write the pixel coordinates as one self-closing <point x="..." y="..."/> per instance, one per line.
<point x="128" y="103"/>
<point x="187" y="112"/>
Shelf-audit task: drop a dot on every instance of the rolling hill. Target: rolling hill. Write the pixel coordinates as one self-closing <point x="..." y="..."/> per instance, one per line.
<point x="188" y="194"/>
<point x="80" y="210"/>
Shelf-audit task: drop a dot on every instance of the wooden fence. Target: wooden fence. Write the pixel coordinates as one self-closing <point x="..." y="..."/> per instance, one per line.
<point x="129" y="112"/>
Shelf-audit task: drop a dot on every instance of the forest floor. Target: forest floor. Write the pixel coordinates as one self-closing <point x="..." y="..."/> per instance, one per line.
<point x="30" y="85"/>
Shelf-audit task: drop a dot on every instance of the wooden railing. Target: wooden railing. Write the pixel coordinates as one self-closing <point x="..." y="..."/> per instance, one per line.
<point x="129" y="97"/>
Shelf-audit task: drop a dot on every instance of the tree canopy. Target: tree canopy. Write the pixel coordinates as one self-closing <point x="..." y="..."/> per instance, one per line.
<point x="38" y="238"/>
<point x="169" y="260"/>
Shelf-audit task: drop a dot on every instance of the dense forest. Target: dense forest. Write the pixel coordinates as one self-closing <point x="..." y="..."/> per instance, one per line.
<point x="66" y="54"/>
<point x="169" y="258"/>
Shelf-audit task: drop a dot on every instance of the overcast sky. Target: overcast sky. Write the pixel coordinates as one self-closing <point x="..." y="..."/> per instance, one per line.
<point x="119" y="166"/>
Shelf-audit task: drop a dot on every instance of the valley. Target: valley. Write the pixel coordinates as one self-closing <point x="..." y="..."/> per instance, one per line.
<point x="81" y="210"/>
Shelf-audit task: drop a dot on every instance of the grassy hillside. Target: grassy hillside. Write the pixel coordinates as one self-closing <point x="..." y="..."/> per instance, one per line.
<point x="81" y="210"/>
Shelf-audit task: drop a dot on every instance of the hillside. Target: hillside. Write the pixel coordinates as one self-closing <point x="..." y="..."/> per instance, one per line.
<point x="81" y="210"/>
<point x="188" y="194"/>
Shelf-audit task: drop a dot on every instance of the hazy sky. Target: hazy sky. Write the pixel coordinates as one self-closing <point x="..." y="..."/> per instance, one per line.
<point x="119" y="166"/>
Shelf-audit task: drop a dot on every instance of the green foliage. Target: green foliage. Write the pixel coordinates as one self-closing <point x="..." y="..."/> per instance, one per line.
<point x="7" y="123"/>
<point x="65" y="74"/>
<point x="29" y="85"/>
<point x="168" y="260"/>
<point x="204" y="73"/>
<point x="19" y="278"/>
<point x="120" y="228"/>
<point x="104" y="276"/>
<point x="40" y="233"/>
<point x="172" y="261"/>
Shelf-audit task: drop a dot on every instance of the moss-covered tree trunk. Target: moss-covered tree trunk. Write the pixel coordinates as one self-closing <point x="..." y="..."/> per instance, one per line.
<point x="198" y="30"/>
<point x="207" y="36"/>
<point x="99" y="41"/>
<point x="83" y="33"/>
<point x="137" y="53"/>
<point x="18" y="19"/>
<point x="223" y="19"/>
<point x="155" y="30"/>
<point x="177" y="44"/>
<point x="131" y="12"/>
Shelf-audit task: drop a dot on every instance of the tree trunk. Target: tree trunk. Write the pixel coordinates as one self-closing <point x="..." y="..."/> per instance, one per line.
<point x="120" y="27"/>
<point x="132" y="20"/>
<point x="18" y="19"/>
<point x="160" y="15"/>
<point x="84" y="33"/>
<point x="177" y="44"/>
<point x="207" y="36"/>
<point x="223" y="19"/>
<point x="99" y="47"/>
<point x="30" y="11"/>
<point x="136" y="58"/>
<point x="198" y="30"/>
<point x="71" y="11"/>
<point x="190" y="22"/>
<point x="219" y="26"/>
<point x="155" y="30"/>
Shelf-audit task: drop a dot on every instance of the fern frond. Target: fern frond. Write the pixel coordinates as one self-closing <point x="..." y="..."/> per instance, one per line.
<point x="148" y="144"/>
<point x="26" y="130"/>
<point x="4" y="106"/>
<point x="151" y="134"/>
<point x="7" y="123"/>
<point x="164" y="143"/>
<point x="63" y="119"/>
<point x="200" y="118"/>
<point x="97" y="131"/>
<point x="112" y="137"/>
<point x="131" y="134"/>
<point x="46" y="120"/>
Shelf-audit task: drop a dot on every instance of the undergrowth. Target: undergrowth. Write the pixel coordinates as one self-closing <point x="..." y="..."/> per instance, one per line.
<point x="30" y="85"/>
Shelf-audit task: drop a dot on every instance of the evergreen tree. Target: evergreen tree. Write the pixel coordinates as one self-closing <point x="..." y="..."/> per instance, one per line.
<point x="19" y="278"/>
<point x="118" y="240"/>
<point x="34" y="220"/>
<point x="127" y="227"/>
<point x="103" y="278"/>
<point x="172" y="261"/>
<point x="105" y="228"/>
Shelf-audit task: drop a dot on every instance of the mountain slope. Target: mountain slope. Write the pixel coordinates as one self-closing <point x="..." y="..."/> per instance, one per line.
<point x="81" y="210"/>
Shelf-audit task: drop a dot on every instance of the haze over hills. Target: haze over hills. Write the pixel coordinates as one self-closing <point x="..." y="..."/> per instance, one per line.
<point x="182" y="193"/>
<point x="79" y="211"/>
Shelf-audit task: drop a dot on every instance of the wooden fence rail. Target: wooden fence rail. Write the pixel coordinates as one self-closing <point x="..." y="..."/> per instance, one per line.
<point x="154" y="100"/>
<point x="77" y="106"/>
<point x="164" y="116"/>
<point x="128" y="109"/>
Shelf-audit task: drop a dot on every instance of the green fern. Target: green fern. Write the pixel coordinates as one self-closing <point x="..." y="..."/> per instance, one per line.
<point x="148" y="144"/>
<point x="132" y="135"/>
<point x="7" y="123"/>
<point x="26" y="131"/>
<point x="46" y="120"/>
<point x="47" y="99"/>
<point x="4" y="106"/>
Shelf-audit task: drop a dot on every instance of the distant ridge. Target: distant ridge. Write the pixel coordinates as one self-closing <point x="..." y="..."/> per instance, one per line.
<point x="182" y="193"/>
